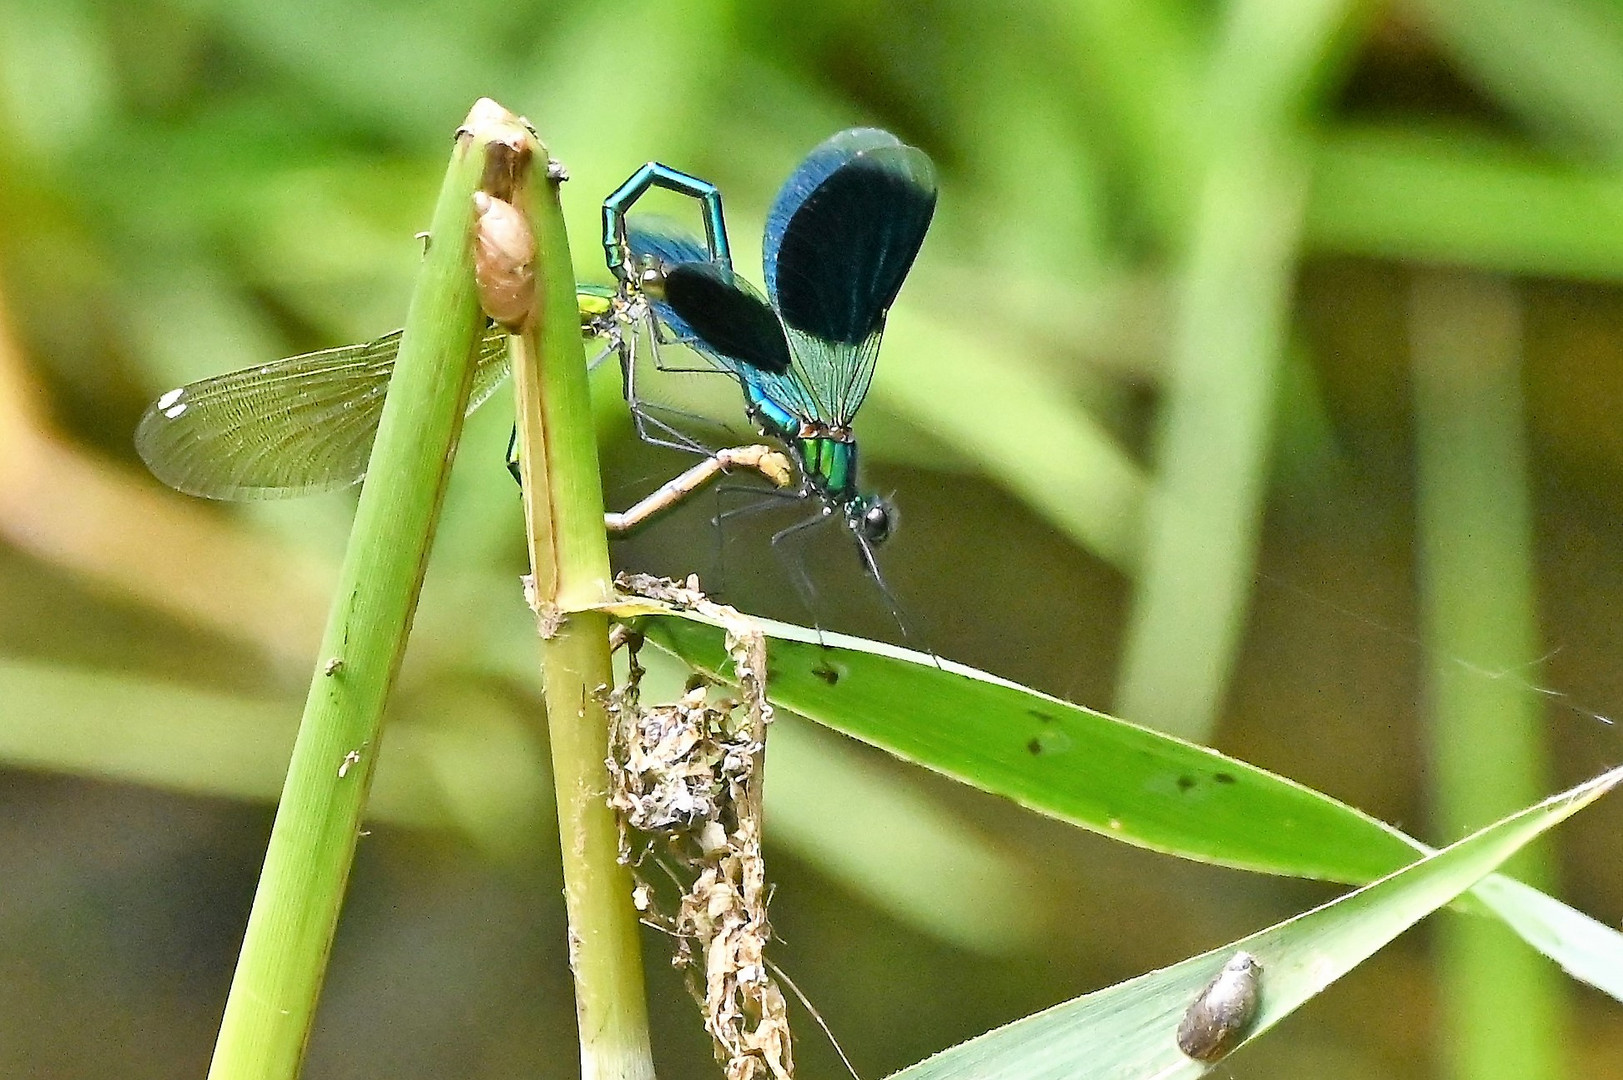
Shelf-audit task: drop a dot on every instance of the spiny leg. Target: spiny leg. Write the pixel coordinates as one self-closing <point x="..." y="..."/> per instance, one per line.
<point x="604" y="353"/>
<point x="647" y="410"/>
<point x="799" y="575"/>
<point x="657" y="330"/>
<point x="635" y="317"/>
<point x="761" y="500"/>
<point x="643" y="416"/>
<point x="871" y="564"/>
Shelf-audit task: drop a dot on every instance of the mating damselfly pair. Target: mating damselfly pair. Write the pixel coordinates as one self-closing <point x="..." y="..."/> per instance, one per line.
<point x="840" y="239"/>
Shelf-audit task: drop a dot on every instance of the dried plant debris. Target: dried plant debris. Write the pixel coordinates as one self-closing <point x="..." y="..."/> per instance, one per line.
<point x="680" y="594"/>
<point x="667" y="763"/>
<point x="686" y="781"/>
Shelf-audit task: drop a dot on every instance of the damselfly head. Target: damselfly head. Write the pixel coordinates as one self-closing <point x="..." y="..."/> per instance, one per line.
<point x="651" y="279"/>
<point x="872" y="518"/>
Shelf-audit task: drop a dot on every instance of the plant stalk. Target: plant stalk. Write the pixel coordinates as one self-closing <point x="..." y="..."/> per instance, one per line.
<point x="274" y="991"/>
<point x="1503" y="1010"/>
<point x="571" y="581"/>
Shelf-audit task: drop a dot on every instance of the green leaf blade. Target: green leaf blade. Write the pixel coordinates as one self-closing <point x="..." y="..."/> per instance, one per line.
<point x="1113" y="778"/>
<point x="1061" y="759"/>
<point x="1127" y="1030"/>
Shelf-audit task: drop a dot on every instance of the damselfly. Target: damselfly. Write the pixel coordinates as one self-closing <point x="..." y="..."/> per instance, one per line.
<point x="840" y="240"/>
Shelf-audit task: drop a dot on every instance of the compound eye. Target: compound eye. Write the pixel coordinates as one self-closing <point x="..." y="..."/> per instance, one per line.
<point x="652" y="281"/>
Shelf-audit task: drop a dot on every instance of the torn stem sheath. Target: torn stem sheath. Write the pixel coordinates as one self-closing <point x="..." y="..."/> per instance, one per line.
<point x="564" y="525"/>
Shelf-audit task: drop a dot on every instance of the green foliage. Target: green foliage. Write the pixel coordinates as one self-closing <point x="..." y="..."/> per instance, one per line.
<point x="1130" y="783"/>
<point x="1153" y="358"/>
<point x="1124" y="1030"/>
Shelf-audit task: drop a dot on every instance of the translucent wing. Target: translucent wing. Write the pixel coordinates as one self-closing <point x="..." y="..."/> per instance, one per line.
<point x="292" y="427"/>
<point x="663" y="241"/>
<point x="837" y="375"/>
<point x="721" y="316"/>
<point x="840" y="240"/>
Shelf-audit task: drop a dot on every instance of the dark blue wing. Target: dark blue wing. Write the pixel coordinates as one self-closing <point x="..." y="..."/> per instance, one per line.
<point x="708" y="306"/>
<point x="829" y="155"/>
<point x="844" y="231"/>
<point x="840" y="239"/>
<point x="720" y="315"/>
<point x="729" y="316"/>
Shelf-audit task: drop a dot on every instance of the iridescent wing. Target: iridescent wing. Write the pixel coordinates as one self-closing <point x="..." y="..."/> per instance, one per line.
<point x="292" y="427"/>
<point x="727" y="315"/>
<point x="663" y="242"/>
<point x="840" y="240"/>
<point x="709" y="308"/>
<point x="718" y="314"/>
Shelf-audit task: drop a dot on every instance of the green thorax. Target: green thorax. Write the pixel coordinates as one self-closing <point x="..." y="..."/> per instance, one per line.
<point x="829" y="464"/>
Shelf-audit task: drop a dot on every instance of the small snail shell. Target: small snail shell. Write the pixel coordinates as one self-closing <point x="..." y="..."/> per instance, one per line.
<point x="1224" y="1010"/>
<point x="503" y="260"/>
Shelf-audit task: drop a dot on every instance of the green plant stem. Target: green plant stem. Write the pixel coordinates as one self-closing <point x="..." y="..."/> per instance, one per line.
<point x="278" y="979"/>
<point x="1229" y="339"/>
<point x="1502" y="1002"/>
<point x="569" y="560"/>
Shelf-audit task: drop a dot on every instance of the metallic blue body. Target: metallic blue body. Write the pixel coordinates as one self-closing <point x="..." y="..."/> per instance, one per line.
<point x="653" y="174"/>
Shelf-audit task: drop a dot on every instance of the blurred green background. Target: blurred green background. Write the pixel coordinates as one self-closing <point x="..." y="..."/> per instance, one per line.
<point x="1258" y="381"/>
